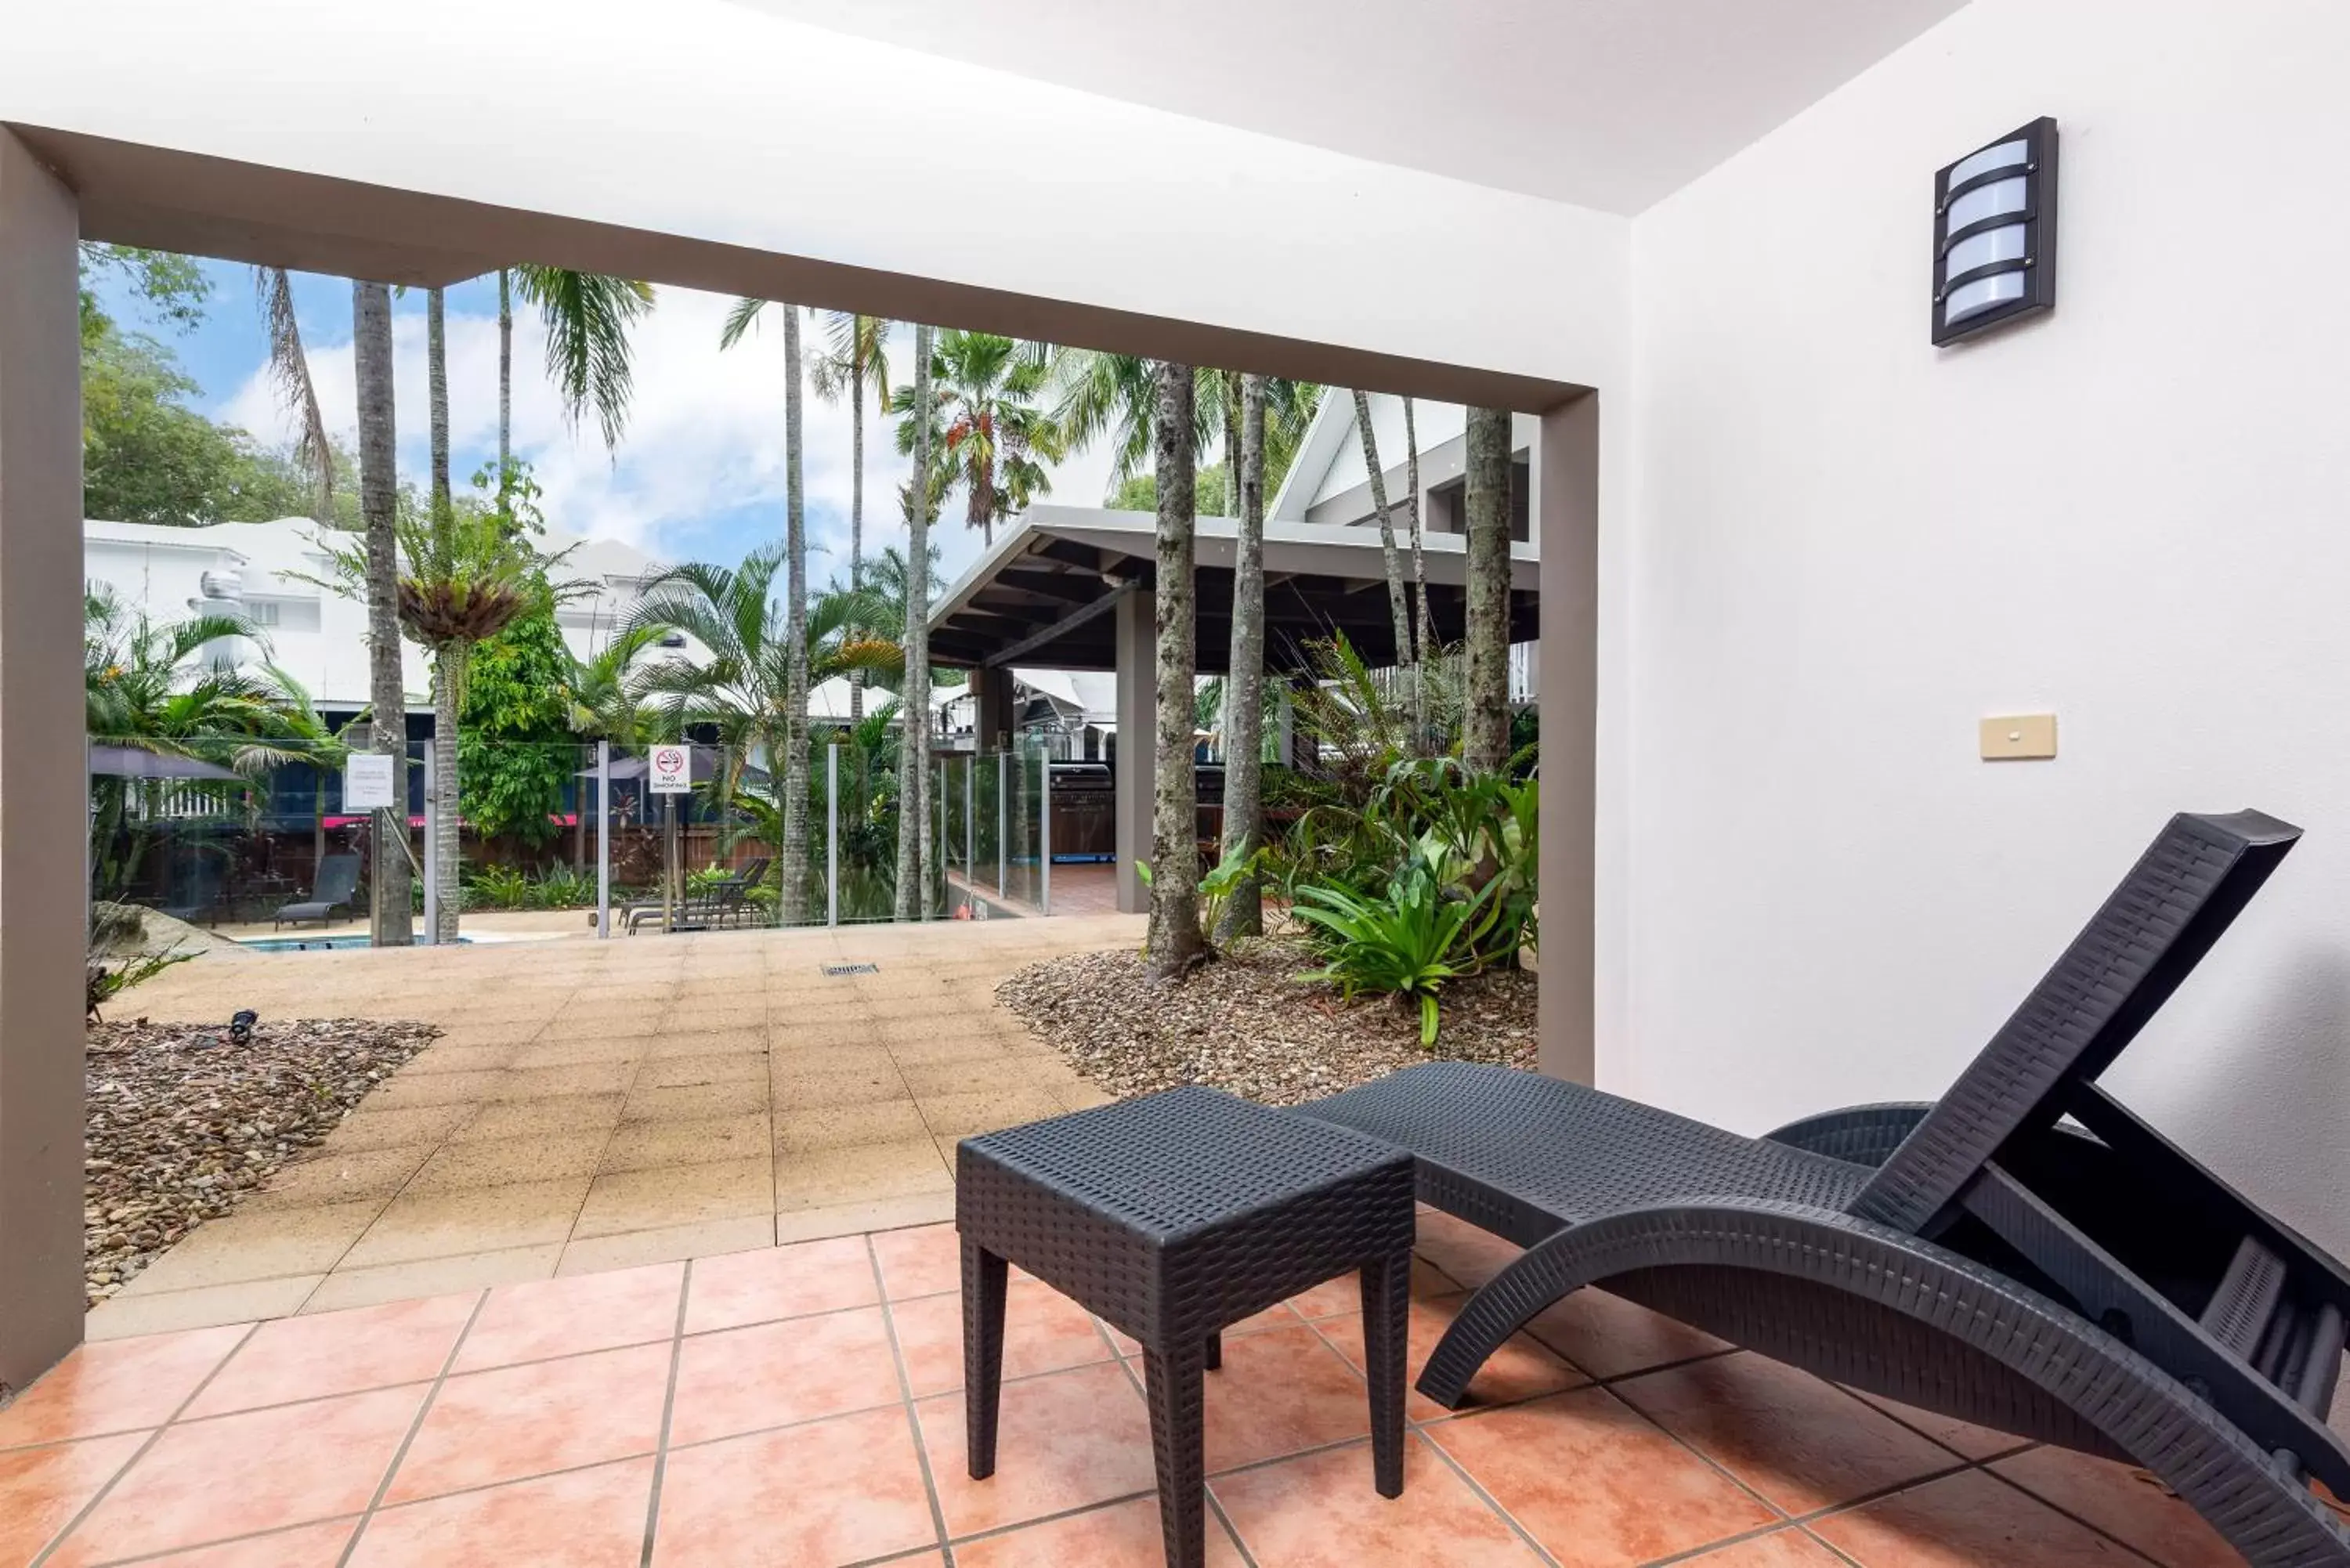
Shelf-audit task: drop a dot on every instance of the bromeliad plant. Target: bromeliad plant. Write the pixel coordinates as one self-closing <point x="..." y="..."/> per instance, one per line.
<point x="1408" y="943"/>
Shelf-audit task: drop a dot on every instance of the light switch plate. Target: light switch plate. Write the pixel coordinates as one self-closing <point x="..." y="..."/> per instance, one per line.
<point x="2019" y="737"/>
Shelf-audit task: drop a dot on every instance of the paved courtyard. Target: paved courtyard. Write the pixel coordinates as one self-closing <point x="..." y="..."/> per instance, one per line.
<point x="801" y="1406"/>
<point x="598" y="1104"/>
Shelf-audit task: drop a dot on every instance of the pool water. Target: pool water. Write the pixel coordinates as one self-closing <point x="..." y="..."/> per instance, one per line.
<point x="310" y="944"/>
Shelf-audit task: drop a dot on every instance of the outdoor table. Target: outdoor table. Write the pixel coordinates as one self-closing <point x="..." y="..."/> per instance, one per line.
<point x="1173" y="1217"/>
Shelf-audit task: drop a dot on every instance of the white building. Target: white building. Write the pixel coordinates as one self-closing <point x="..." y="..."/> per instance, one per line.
<point x="270" y="573"/>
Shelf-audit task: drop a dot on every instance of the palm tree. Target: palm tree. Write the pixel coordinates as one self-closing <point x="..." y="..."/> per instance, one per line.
<point x="1174" y="944"/>
<point x="992" y="432"/>
<point x="1398" y="605"/>
<point x="857" y="352"/>
<point x="394" y="922"/>
<point x="1423" y="630"/>
<point x="1099" y="394"/>
<point x="792" y="764"/>
<point x="912" y="900"/>
<point x="436" y="394"/>
<point x="602" y="695"/>
<point x="1485" y="737"/>
<point x="290" y="368"/>
<point x="1244" y="686"/>
<point x="588" y="356"/>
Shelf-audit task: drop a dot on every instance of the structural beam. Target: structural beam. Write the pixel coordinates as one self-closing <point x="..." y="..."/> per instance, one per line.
<point x="44" y="784"/>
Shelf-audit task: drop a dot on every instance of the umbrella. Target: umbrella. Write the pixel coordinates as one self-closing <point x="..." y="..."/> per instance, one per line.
<point x="138" y="762"/>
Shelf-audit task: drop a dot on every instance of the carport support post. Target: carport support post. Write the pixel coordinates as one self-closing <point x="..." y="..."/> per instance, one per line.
<point x="603" y="839"/>
<point x="1566" y="488"/>
<point x="1138" y="728"/>
<point x="44" y="781"/>
<point x="992" y="697"/>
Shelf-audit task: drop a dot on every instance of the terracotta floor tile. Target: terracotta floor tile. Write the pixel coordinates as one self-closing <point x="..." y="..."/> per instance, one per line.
<point x="1609" y="1337"/>
<point x="1521" y="1369"/>
<point x="116" y="1386"/>
<point x="543" y="1318"/>
<point x="583" y="1519"/>
<point x="1470" y="1256"/>
<point x="1045" y="1331"/>
<point x="1279" y="1315"/>
<point x="303" y="1546"/>
<point x="1596" y="1484"/>
<point x="860" y="1173"/>
<point x="533" y="1118"/>
<point x="1960" y="1436"/>
<point x="677" y="1195"/>
<point x="1282" y="1392"/>
<point x="742" y="1288"/>
<point x="921" y="1262"/>
<point x="700" y="1140"/>
<point x="500" y="1162"/>
<point x="1123" y="1535"/>
<point x="1331" y="1298"/>
<point x="844" y="1126"/>
<point x="1788" y="1548"/>
<point x="1802" y="1443"/>
<point x="1065" y="1441"/>
<point x="291" y="1465"/>
<point x="2117" y="1500"/>
<point x="831" y="1492"/>
<point x="521" y="1421"/>
<point x="1965" y="1522"/>
<point x="42" y="1488"/>
<point x="337" y="1353"/>
<point x="1320" y="1511"/>
<point x="743" y="1379"/>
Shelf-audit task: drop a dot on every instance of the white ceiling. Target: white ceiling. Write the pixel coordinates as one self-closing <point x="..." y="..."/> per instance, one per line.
<point x="1610" y="104"/>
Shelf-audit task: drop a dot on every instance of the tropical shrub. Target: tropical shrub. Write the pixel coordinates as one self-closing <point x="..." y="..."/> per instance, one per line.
<point x="561" y="886"/>
<point x="1216" y="886"/>
<point x="1405" y="943"/>
<point x="499" y="888"/>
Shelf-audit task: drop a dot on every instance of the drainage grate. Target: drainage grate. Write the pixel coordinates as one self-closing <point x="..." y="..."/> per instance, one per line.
<point x="840" y="969"/>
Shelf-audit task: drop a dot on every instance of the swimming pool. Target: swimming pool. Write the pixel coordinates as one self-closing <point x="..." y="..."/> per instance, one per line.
<point x="312" y="944"/>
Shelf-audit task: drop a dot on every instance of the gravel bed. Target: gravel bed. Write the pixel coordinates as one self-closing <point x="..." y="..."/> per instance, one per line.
<point x="1247" y="1023"/>
<point x="183" y="1122"/>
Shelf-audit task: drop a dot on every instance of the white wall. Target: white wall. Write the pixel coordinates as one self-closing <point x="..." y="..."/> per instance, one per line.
<point x="1844" y="546"/>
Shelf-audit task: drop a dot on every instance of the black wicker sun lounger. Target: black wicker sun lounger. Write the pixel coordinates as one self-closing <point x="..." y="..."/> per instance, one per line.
<point x="2080" y="1282"/>
<point x="331" y="890"/>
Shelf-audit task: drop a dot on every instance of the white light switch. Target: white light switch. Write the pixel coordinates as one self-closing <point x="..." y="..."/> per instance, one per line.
<point x="2019" y="737"/>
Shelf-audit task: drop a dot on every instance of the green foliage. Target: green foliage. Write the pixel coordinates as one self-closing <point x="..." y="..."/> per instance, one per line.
<point x="1362" y="721"/>
<point x="172" y="286"/>
<point x="104" y="984"/>
<point x="561" y="886"/>
<point x="1140" y="493"/>
<point x="515" y="749"/>
<point x="1407" y="942"/>
<point x="1216" y="886"/>
<point x="499" y="888"/>
<point x="147" y="457"/>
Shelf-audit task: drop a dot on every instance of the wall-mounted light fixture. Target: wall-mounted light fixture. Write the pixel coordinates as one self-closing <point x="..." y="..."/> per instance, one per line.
<point x="1995" y="233"/>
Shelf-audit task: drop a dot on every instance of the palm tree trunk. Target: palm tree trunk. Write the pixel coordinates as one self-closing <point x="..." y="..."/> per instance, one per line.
<point x="1173" y="944"/>
<point x="855" y="507"/>
<point x="1398" y="605"/>
<point x="1244" y="686"/>
<point x="395" y="924"/>
<point x="1422" y="635"/>
<point x="1485" y="737"/>
<point x="447" y="680"/>
<point x="792" y="906"/>
<point x="436" y="377"/>
<point x="913" y="901"/>
<point x="505" y="376"/>
<point x="1232" y="387"/>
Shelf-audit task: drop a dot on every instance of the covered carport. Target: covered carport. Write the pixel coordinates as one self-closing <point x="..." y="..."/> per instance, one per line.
<point x="1072" y="587"/>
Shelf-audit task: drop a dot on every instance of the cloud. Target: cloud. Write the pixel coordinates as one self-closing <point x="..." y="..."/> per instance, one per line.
<point x="701" y="466"/>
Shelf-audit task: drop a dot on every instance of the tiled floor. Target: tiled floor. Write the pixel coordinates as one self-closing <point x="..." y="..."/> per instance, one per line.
<point x="601" y="1105"/>
<point x="799" y="1405"/>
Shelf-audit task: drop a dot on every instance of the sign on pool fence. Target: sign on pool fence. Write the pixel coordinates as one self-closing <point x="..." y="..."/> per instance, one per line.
<point x="672" y="769"/>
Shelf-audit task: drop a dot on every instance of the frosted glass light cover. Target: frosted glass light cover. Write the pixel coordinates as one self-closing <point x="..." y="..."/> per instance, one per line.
<point x="1974" y="298"/>
<point x="1980" y="250"/>
<point x="2001" y="157"/>
<point x="1991" y="201"/>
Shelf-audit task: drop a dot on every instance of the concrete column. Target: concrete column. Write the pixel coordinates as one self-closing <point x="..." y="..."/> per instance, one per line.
<point x="44" y="787"/>
<point x="1138" y="730"/>
<point x="1566" y="474"/>
<point x="991" y="695"/>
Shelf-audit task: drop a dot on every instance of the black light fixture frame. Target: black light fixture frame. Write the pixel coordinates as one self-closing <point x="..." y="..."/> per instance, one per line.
<point x="2038" y="262"/>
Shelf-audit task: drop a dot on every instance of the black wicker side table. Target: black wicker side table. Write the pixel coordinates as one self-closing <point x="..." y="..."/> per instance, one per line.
<point x="1173" y="1217"/>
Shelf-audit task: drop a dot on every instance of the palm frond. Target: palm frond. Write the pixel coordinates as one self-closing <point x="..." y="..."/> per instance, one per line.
<point x="740" y="320"/>
<point x="289" y="369"/>
<point x="588" y="355"/>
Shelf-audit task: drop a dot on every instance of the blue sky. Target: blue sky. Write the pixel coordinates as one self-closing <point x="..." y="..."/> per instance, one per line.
<point x="698" y="475"/>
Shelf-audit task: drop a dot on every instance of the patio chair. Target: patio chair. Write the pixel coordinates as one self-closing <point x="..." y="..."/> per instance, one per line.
<point x="2081" y="1281"/>
<point x="713" y="903"/>
<point x="337" y="878"/>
